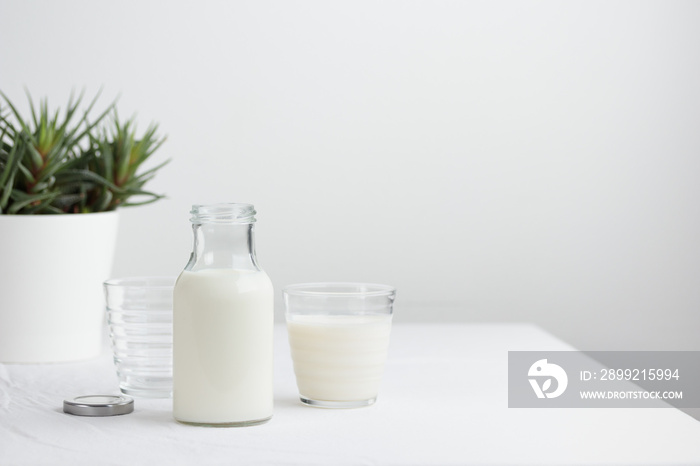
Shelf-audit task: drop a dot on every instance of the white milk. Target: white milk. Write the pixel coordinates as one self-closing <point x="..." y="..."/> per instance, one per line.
<point x="339" y="358"/>
<point x="222" y="346"/>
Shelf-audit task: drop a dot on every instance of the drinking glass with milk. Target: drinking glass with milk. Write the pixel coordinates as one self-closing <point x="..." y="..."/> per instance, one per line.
<point x="339" y="337"/>
<point x="223" y="324"/>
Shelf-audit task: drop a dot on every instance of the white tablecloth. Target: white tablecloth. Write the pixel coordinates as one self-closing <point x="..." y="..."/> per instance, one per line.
<point x="443" y="401"/>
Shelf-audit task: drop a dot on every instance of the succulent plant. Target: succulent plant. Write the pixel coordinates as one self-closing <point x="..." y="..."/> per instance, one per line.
<point x="55" y="164"/>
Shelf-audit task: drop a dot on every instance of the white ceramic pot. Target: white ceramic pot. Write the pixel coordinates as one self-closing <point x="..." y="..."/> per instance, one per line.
<point x="51" y="273"/>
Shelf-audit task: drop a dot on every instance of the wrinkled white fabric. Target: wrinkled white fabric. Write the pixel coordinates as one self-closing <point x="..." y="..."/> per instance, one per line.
<point x="443" y="401"/>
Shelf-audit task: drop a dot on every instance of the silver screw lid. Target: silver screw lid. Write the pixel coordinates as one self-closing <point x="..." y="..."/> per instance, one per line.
<point x="98" y="405"/>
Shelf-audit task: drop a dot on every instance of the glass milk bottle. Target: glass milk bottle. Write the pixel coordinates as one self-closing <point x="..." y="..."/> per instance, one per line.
<point x="222" y="324"/>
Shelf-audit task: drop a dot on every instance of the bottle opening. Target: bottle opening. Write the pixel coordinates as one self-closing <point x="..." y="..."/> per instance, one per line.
<point x="223" y="213"/>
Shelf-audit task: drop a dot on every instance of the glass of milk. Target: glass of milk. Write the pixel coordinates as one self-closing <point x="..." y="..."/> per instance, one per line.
<point x="339" y="336"/>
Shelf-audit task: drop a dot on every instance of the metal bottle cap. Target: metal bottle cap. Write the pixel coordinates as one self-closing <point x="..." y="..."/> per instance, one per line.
<point x="98" y="405"/>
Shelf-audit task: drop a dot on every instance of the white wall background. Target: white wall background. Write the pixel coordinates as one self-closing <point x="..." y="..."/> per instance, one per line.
<point x="496" y="161"/>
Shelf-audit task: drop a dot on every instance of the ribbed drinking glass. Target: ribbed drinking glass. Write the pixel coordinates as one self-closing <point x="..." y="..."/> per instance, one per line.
<point x="140" y="316"/>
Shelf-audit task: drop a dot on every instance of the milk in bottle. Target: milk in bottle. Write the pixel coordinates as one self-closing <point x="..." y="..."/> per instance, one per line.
<point x="222" y="324"/>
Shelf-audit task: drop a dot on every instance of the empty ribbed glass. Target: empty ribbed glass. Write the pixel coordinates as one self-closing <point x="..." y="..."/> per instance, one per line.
<point x="140" y="316"/>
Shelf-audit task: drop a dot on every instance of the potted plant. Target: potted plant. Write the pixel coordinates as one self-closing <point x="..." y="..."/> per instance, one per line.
<point x="62" y="178"/>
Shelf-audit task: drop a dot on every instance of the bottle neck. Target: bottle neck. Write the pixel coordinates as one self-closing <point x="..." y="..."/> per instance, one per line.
<point x="223" y="246"/>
